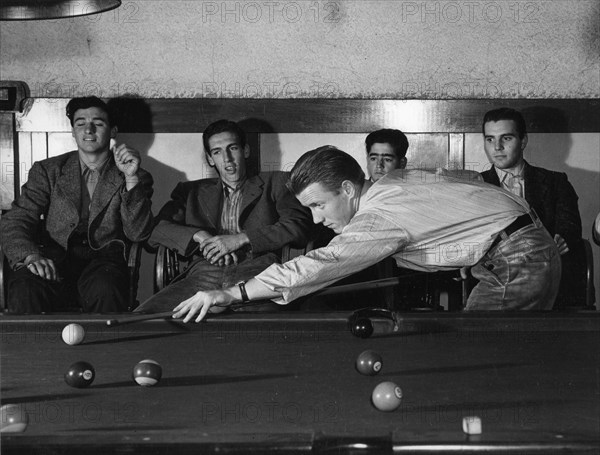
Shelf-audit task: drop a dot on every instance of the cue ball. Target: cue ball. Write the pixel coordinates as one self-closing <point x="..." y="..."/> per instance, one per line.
<point x="386" y="396"/>
<point x="369" y="363"/>
<point x="362" y="328"/>
<point x="80" y="375"/>
<point x="147" y="372"/>
<point x="73" y="334"/>
<point x="14" y="419"/>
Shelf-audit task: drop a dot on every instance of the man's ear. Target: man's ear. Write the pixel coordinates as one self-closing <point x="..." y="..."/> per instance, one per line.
<point x="209" y="160"/>
<point x="524" y="142"/>
<point x="113" y="132"/>
<point x="348" y="188"/>
<point x="403" y="162"/>
<point x="246" y="151"/>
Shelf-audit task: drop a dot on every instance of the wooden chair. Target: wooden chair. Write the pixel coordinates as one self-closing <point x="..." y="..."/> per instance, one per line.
<point x="590" y="296"/>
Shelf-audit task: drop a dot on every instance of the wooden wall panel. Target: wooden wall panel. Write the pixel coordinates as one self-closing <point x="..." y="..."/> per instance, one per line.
<point x="320" y="115"/>
<point x="456" y="151"/>
<point x="7" y="160"/>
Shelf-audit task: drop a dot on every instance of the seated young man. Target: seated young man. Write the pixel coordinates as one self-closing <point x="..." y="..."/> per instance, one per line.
<point x="424" y="220"/>
<point x="232" y="227"/>
<point x="549" y="193"/>
<point x="67" y="235"/>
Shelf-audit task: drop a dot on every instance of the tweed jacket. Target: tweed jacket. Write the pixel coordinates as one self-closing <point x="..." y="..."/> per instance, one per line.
<point x="53" y="190"/>
<point x="552" y="197"/>
<point x="270" y="215"/>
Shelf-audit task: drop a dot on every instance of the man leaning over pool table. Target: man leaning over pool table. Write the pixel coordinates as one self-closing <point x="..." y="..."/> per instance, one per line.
<point x="424" y="220"/>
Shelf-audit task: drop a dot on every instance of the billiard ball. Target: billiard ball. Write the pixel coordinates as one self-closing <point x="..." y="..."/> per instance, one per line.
<point x="369" y="362"/>
<point x="386" y="396"/>
<point x="147" y="372"/>
<point x="80" y="375"/>
<point x="362" y="328"/>
<point x="73" y="334"/>
<point x="13" y="419"/>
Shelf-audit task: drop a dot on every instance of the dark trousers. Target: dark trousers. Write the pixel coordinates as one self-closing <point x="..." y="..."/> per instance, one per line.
<point x="203" y="276"/>
<point x="90" y="281"/>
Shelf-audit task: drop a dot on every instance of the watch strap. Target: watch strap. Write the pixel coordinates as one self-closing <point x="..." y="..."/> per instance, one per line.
<point x="242" y="286"/>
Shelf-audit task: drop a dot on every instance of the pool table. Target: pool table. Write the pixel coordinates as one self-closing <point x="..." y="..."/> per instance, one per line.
<point x="286" y="382"/>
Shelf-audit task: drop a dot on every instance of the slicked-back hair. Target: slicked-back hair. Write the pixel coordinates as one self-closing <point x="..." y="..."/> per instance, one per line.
<point x="326" y="165"/>
<point x="506" y="113"/>
<point x="396" y="138"/>
<point x="86" y="102"/>
<point x="223" y="126"/>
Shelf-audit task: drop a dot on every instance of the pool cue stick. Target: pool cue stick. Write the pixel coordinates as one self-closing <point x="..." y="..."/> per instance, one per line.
<point x="139" y="318"/>
<point x="168" y="314"/>
<point x="375" y="284"/>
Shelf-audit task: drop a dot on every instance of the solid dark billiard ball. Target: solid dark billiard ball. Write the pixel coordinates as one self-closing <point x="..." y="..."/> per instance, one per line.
<point x="386" y="396"/>
<point x="362" y="328"/>
<point x="369" y="363"/>
<point x="147" y="372"/>
<point x="13" y="419"/>
<point x="80" y="375"/>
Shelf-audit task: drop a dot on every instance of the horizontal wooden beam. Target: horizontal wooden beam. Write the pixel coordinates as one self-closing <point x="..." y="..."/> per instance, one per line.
<point x="159" y="115"/>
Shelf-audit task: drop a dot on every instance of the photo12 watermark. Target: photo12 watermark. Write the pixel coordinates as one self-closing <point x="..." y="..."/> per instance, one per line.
<point x="236" y="12"/>
<point x="283" y="88"/>
<point x="427" y="12"/>
<point x="431" y="89"/>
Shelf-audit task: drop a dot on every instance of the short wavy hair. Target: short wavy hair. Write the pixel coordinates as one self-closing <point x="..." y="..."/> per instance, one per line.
<point x="326" y="165"/>
<point x="396" y="138"/>
<point x="86" y="102"/>
<point x="506" y="113"/>
<point x="223" y="126"/>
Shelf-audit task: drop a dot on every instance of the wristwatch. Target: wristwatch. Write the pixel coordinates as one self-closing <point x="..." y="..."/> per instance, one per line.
<point x="242" y="286"/>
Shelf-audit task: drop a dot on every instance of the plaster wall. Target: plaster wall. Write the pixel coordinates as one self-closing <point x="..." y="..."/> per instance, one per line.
<point x="287" y="49"/>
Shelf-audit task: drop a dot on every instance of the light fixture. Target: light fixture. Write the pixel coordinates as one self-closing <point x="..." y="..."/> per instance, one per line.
<point x="19" y="10"/>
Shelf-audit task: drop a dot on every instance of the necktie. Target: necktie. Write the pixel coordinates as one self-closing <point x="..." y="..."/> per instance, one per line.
<point x="514" y="184"/>
<point x="91" y="180"/>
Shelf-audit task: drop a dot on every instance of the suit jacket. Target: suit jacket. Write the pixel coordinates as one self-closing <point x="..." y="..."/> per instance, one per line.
<point x="552" y="197"/>
<point x="53" y="189"/>
<point x="270" y="214"/>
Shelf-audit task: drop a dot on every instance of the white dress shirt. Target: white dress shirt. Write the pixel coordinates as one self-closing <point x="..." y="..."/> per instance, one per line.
<point x="426" y="221"/>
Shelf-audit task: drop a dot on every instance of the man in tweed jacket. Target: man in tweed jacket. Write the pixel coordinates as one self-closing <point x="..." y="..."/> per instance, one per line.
<point x="67" y="235"/>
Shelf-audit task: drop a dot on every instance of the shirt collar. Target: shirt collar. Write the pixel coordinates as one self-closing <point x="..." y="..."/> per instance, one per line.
<point x="227" y="190"/>
<point x="502" y="173"/>
<point x="92" y="166"/>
